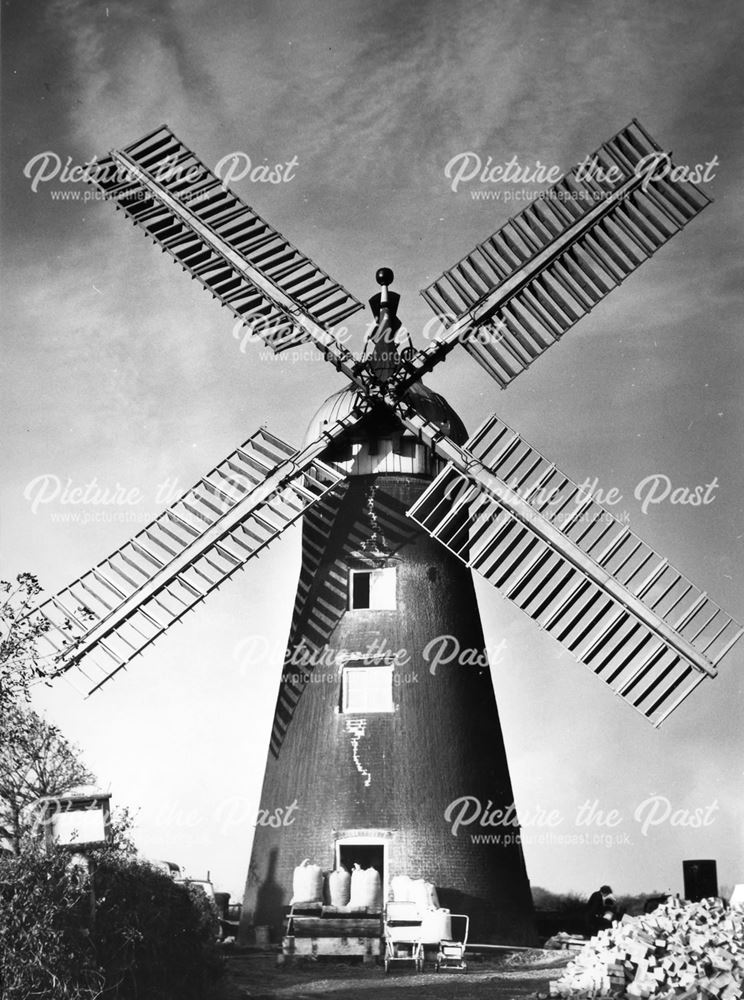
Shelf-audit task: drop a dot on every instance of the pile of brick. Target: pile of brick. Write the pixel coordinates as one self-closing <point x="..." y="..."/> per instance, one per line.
<point x="684" y="951"/>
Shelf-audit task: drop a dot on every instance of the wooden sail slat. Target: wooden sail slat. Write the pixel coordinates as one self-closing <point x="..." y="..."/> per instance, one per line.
<point x="679" y="195"/>
<point x="652" y="577"/>
<point x="600" y="249"/>
<point x="143" y="551"/>
<point x="156" y="539"/>
<point x="737" y="631"/>
<point x="68" y="615"/>
<point x="120" y="572"/>
<point x="570" y="306"/>
<point x="583" y="274"/>
<point x="590" y="625"/>
<point x="646" y="221"/>
<point x="528" y="571"/>
<point x="512" y="561"/>
<point x="109" y="584"/>
<point x="330" y="307"/>
<point x="522" y="331"/>
<point x="654" y="682"/>
<point x="532" y="304"/>
<point x="483" y="268"/>
<point x="527" y="229"/>
<point x="567" y="599"/>
<point x="446" y="297"/>
<point x="580" y="614"/>
<point x="628" y="648"/>
<point x="190" y="529"/>
<point x="339" y="315"/>
<point x="478" y="547"/>
<point x="699" y="602"/>
<point x="508" y="234"/>
<point x="513" y="339"/>
<point x="709" y="621"/>
<point x="583" y="538"/>
<point x="486" y="551"/>
<point x="674" y="210"/>
<point x="126" y="556"/>
<point x="495" y="546"/>
<point x="227" y="496"/>
<point x="580" y="290"/>
<point x="647" y="555"/>
<point x="496" y="261"/>
<point x="640" y="671"/>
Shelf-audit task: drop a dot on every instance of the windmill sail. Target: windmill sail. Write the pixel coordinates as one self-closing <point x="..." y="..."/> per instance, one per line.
<point x="517" y="293"/>
<point x="574" y="568"/>
<point x="238" y="257"/>
<point x="101" y="621"/>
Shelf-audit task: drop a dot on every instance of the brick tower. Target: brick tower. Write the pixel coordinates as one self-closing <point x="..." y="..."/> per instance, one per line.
<point x="372" y="739"/>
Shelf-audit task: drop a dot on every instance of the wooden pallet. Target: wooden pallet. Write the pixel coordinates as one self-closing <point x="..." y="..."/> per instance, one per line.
<point x="366" y="947"/>
<point x="332" y="933"/>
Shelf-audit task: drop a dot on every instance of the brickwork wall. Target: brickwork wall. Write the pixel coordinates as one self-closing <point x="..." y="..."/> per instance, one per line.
<point x="392" y="772"/>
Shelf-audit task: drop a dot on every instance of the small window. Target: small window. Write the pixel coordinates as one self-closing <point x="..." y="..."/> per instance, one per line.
<point x="339" y="451"/>
<point x="406" y="447"/>
<point x="372" y="589"/>
<point x="367" y="688"/>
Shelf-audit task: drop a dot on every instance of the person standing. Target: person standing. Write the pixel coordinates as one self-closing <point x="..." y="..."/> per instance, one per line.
<point x="601" y="910"/>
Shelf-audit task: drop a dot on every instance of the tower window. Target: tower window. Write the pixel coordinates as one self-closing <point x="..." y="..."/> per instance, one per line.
<point x="406" y="447"/>
<point x="367" y="688"/>
<point x="339" y="451"/>
<point x="372" y="589"/>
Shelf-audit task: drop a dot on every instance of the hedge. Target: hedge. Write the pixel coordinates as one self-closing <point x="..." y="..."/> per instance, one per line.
<point x="150" y="938"/>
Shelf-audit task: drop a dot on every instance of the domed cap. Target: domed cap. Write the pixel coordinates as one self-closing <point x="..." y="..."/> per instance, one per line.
<point x="382" y="421"/>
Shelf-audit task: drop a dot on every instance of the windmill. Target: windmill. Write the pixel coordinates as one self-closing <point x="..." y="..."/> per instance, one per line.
<point x="399" y="505"/>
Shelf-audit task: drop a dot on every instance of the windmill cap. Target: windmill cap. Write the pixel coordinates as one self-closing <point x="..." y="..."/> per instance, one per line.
<point x="429" y="404"/>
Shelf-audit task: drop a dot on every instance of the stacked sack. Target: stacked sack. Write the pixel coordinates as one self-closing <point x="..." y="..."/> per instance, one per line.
<point x="414" y="890"/>
<point x="685" y="951"/>
<point x="339" y="887"/>
<point x="307" y="884"/>
<point x="366" y="889"/>
<point x="360" y="890"/>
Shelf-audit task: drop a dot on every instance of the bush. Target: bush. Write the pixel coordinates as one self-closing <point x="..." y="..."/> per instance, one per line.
<point x="45" y="945"/>
<point x="154" y="938"/>
<point x="150" y="939"/>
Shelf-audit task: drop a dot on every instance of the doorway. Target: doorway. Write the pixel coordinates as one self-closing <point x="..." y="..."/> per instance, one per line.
<point x="366" y="854"/>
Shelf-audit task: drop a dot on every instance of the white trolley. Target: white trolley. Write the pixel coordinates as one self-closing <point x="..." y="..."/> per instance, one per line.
<point x="451" y="954"/>
<point x="403" y="944"/>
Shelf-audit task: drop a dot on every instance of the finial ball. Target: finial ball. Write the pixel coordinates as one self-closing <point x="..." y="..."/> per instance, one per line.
<point x="384" y="276"/>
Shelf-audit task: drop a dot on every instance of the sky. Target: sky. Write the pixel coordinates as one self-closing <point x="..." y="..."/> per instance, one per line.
<point x="117" y="369"/>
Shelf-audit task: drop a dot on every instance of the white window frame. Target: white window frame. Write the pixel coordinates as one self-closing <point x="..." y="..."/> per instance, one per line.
<point x="386" y="596"/>
<point x="383" y="703"/>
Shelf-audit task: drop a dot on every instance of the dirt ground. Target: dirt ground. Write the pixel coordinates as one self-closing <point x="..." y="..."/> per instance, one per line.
<point x="257" y="976"/>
